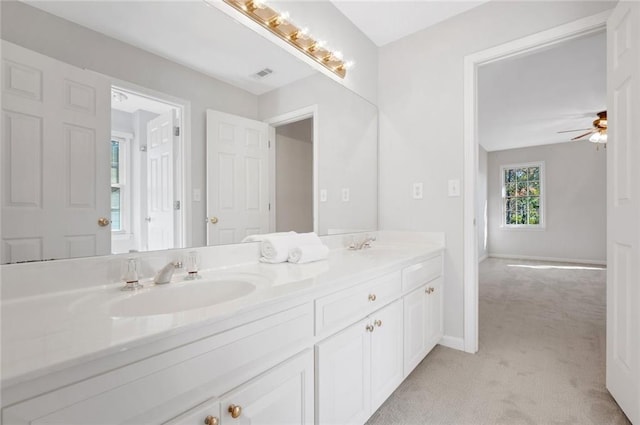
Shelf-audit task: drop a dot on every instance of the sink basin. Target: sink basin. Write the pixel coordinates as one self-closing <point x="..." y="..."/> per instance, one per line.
<point x="179" y="297"/>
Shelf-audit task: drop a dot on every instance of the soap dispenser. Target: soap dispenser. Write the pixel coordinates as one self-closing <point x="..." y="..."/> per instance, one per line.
<point x="131" y="278"/>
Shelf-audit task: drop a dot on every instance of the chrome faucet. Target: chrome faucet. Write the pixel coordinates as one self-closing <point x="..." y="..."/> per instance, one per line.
<point x="166" y="273"/>
<point x="364" y="243"/>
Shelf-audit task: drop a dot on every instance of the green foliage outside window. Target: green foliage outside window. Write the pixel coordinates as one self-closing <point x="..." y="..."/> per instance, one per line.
<point x="522" y="195"/>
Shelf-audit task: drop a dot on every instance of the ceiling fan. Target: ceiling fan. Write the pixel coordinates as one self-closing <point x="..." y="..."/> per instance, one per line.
<point x="598" y="132"/>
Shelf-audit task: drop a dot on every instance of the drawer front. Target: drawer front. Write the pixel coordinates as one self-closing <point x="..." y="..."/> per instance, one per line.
<point x="421" y="273"/>
<point x="339" y="310"/>
<point x="190" y="374"/>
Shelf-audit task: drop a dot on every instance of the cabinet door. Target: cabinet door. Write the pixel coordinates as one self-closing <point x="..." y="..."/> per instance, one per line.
<point x="434" y="311"/>
<point x="281" y="396"/>
<point x="415" y="328"/>
<point x="386" y="353"/>
<point x="206" y="413"/>
<point x="343" y="377"/>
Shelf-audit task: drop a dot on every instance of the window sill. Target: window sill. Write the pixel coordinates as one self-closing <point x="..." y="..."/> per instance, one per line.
<point x="539" y="228"/>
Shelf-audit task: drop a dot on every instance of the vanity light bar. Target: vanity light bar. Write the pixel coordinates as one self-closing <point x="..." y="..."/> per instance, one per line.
<point x="280" y="25"/>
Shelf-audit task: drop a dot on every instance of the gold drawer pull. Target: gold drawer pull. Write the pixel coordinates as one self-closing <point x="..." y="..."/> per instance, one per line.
<point x="369" y="328"/>
<point x="211" y="420"/>
<point x="235" y="411"/>
<point x="378" y="323"/>
<point x="372" y="297"/>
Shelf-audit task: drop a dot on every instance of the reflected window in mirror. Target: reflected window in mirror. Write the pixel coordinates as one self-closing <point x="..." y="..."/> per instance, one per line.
<point x="120" y="208"/>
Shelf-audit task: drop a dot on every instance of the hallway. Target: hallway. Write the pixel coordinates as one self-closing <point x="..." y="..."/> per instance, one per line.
<point x="541" y="357"/>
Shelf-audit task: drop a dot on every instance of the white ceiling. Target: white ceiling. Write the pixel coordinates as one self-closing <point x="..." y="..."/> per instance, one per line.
<point x="191" y="33"/>
<point x="386" y="21"/>
<point x="525" y="100"/>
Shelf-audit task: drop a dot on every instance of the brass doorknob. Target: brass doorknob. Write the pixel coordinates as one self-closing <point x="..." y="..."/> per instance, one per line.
<point x="213" y="220"/>
<point x="103" y="222"/>
<point x="372" y="297"/>
<point x="211" y="420"/>
<point x="235" y="411"/>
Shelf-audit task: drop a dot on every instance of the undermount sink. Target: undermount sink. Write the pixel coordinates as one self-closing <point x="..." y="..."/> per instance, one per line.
<point x="180" y="297"/>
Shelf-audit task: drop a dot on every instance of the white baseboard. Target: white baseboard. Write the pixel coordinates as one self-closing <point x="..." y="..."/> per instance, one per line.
<point x="554" y="259"/>
<point x="453" y="342"/>
<point x="484" y="257"/>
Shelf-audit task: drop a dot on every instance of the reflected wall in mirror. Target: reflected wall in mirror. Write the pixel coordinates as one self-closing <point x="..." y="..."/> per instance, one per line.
<point x="107" y="133"/>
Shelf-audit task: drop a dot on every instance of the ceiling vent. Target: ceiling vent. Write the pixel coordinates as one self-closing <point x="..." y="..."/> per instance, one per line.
<point x="262" y="73"/>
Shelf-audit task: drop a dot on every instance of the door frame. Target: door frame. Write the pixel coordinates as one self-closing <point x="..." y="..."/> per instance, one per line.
<point x="182" y="176"/>
<point x="277" y="121"/>
<point x="472" y="62"/>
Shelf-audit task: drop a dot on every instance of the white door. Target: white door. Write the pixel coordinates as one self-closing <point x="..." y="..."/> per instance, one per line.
<point x="237" y="178"/>
<point x="343" y="379"/>
<point x="55" y="158"/>
<point x="623" y="208"/>
<point x="386" y="353"/>
<point x="282" y="396"/>
<point x="160" y="194"/>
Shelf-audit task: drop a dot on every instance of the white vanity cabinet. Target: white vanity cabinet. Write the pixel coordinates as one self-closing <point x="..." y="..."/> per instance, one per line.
<point x="359" y="367"/>
<point x="282" y="395"/>
<point x="423" y="321"/>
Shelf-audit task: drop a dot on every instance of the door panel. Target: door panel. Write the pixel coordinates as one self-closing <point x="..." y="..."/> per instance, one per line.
<point x="55" y="158"/>
<point x="386" y="353"/>
<point x="237" y="177"/>
<point x="415" y="323"/>
<point x="623" y="208"/>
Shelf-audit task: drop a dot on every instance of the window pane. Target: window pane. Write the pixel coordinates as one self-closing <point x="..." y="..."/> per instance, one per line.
<point x="115" y="162"/>
<point x="522" y="188"/>
<point x="510" y="189"/>
<point x="510" y="175"/>
<point x="534" y="189"/>
<point x="534" y="173"/>
<point x="521" y="174"/>
<point x="116" y="213"/>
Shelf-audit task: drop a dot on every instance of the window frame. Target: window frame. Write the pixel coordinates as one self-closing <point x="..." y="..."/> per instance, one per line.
<point x="503" y="219"/>
<point x="125" y="141"/>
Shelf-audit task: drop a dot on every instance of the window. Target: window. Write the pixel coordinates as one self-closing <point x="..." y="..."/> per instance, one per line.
<point x="522" y="195"/>
<point x="119" y="188"/>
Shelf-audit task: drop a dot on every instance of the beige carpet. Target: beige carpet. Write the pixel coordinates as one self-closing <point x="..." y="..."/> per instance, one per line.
<point x="541" y="357"/>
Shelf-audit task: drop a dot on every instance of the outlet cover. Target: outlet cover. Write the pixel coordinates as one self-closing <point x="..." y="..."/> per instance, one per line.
<point x="454" y="188"/>
<point x="417" y="191"/>
<point x="345" y="195"/>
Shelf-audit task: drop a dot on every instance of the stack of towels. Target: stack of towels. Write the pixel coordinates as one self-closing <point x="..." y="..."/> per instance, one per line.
<point x="290" y="246"/>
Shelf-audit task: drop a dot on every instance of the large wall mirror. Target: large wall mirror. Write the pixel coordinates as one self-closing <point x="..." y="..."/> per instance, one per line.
<point x="136" y="126"/>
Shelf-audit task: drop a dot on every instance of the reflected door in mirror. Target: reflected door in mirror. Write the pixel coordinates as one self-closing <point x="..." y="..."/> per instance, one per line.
<point x="55" y="150"/>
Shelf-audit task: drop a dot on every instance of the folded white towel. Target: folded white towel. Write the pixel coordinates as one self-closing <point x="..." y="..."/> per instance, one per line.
<point x="275" y="249"/>
<point x="262" y="237"/>
<point x="308" y="253"/>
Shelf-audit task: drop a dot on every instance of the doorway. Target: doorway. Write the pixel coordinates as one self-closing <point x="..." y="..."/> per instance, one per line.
<point x="147" y="136"/>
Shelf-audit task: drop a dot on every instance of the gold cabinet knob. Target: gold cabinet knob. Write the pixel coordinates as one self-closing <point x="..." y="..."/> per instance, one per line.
<point x="369" y="328"/>
<point x="103" y="222"/>
<point x="429" y="290"/>
<point x="378" y="323"/>
<point x="235" y="411"/>
<point x="213" y="220"/>
<point x="372" y="297"/>
<point x="211" y="420"/>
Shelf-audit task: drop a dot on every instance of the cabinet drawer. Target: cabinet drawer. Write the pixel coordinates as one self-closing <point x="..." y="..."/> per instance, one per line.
<point x="421" y="273"/>
<point x="339" y="310"/>
<point x="145" y="391"/>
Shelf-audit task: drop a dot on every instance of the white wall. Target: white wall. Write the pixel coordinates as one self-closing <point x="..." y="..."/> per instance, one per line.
<point x="575" y="204"/>
<point x="347" y="148"/>
<point x="84" y="48"/>
<point x="420" y="98"/>
<point x="481" y="204"/>
<point x="294" y="176"/>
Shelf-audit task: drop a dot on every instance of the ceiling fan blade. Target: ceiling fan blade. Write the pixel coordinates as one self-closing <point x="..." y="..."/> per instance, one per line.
<point x="585" y="134"/>
<point x="571" y="131"/>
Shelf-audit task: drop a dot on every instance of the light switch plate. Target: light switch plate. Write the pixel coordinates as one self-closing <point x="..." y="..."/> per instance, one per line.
<point x="323" y="195"/>
<point x="345" y="195"/>
<point x="197" y="195"/>
<point x="417" y="191"/>
<point x="454" y="188"/>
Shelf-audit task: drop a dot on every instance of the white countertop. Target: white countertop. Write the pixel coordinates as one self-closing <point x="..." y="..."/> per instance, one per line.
<point x="43" y="334"/>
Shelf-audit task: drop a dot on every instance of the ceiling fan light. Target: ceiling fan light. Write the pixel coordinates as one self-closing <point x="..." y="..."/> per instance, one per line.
<point x="598" y="137"/>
